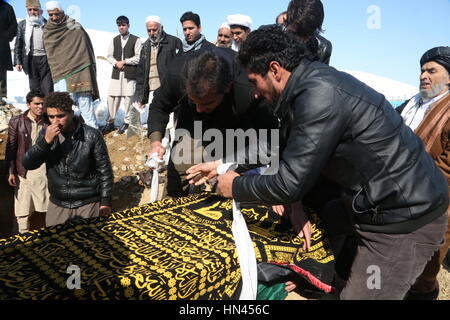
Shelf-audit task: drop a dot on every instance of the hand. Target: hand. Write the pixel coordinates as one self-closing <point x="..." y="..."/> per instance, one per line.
<point x="52" y="132"/>
<point x="280" y="210"/>
<point x="19" y="67"/>
<point x="158" y="148"/>
<point x="105" y="211"/>
<point x="225" y="185"/>
<point x="302" y="225"/>
<point x="120" y="65"/>
<point x="202" y="173"/>
<point x="12" y="180"/>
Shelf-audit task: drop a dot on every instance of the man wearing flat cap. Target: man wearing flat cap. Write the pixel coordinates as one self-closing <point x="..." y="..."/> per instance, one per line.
<point x="8" y="29"/>
<point x="241" y="26"/>
<point x="29" y="53"/>
<point x="72" y="62"/>
<point x="428" y="115"/>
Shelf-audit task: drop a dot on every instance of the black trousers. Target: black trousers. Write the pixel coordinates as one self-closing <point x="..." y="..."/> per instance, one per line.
<point x="3" y="88"/>
<point x="39" y="75"/>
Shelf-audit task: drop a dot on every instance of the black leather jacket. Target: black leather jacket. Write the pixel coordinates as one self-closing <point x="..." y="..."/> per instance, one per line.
<point x="78" y="174"/>
<point x="332" y="124"/>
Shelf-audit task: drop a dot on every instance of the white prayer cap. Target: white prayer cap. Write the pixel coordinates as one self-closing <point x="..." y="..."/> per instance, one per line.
<point x="153" y="19"/>
<point x="52" y="5"/>
<point x="240" y="20"/>
<point x="224" y="26"/>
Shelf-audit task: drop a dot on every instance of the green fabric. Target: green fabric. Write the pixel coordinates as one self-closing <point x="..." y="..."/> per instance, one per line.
<point x="274" y="292"/>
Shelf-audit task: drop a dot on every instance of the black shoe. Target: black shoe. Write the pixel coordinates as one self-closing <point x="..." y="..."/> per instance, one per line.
<point x="422" y="296"/>
<point x="123" y="128"/>
<point x="108" y="128"/>
<point x="447" y="261"/>
<point x="3" y="103"/>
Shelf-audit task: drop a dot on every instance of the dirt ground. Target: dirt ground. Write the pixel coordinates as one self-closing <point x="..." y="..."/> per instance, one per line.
<point x="128" y="159"/>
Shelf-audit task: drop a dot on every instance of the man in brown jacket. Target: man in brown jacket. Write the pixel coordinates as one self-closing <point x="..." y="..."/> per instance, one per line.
<point x="428" y="115"/>
<point x="31" y="193"/>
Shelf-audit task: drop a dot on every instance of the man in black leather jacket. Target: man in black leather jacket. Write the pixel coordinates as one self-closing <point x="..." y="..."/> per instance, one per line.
<point x="80" y="178"/>
<point x="226" y="102"/>
<point x="334" y="125"/>
<point x="305" y="19"/>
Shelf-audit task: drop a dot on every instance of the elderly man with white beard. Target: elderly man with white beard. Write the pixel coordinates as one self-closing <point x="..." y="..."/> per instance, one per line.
<point x="30" y="56"/>
<point x="156" y="55"/>
<point x="428" y="114"/>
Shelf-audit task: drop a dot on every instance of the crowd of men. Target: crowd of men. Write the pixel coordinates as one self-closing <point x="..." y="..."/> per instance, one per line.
<point x="372" y="172"/>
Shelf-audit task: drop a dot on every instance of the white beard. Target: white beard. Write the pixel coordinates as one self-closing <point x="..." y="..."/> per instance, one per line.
<point x="36" y="20"/>
<point x="434" y="91"/>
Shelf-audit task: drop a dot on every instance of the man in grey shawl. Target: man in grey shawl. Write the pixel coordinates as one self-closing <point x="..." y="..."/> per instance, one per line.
<point x="72" y="61"/>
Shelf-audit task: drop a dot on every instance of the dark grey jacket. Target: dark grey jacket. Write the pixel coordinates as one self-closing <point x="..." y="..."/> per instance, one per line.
<point x="78" y="175"/>
<point x="8" y="30"/>
<point x="20" y="54"/>
<point x="333" y="124"/>
<point x="169" y="47"/>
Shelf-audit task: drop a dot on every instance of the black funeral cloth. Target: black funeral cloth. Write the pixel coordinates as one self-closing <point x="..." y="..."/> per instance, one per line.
<point x="173" y="249"/>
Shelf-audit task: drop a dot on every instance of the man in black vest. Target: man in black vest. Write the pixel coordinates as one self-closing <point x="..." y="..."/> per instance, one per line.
<point x="125" y="49"/>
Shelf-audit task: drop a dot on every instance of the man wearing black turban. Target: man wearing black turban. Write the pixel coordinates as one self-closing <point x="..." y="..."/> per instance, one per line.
<point x="428" y="114"/>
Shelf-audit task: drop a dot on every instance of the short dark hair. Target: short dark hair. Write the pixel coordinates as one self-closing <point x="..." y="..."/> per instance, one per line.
<point x="59" y="100"/>
<point x="270" y="43"/>
<point x="33" y="94"/>
<point x="122" y="19"/>
<point x="190" y="16"/>
<point x="305" y="17"/>
<point x="239" y="26"/>
<point x="205" y="72"/>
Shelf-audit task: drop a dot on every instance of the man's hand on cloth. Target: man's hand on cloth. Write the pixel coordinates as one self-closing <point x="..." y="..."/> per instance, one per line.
<point x="299" y="219"/>
<point x="157" y="148"/>
<point x="202" y="173"/>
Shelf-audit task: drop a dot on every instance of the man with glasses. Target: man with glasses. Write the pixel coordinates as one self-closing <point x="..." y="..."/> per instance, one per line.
<point x="30" y="55"/>
<point x="8" y="29"/>
<point x="71" y="58"/>
<point x="80" y="177"/>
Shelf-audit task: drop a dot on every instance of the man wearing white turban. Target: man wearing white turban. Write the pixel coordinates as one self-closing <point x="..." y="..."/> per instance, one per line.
<point x="72" y="61"/>
<point x="241" y="26"/>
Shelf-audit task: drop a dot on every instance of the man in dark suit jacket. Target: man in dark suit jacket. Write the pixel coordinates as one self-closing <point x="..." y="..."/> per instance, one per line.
<point x="152" y="68"/>
<point x="8" y="29"/>
<point x="29" y="53"/>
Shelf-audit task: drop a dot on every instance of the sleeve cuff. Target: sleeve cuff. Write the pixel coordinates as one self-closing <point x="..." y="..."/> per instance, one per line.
<point x="105" y="202"/>
<point x="155" y="136"/>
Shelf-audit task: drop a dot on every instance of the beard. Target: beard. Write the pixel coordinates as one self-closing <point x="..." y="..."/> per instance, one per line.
<point x="34" y="19"/>
<point x="274" y="95"/>
<point x="156" y="38"/>
<point x="434" y="91"/>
